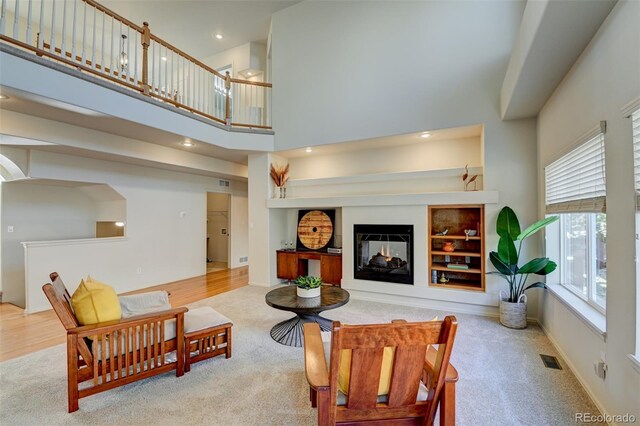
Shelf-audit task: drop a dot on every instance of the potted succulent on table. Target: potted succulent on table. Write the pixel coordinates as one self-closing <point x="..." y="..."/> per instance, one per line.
<point x="513" y="306"/>
<point x="308" y="286"/>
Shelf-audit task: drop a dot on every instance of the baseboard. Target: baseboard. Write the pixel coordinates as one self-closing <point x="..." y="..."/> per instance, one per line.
<point x="575" y="372"/>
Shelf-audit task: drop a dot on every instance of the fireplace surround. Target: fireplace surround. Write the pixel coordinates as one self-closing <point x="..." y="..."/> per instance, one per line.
<point x="383" y="253"/>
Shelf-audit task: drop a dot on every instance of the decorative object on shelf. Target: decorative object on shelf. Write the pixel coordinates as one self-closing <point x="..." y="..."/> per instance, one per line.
<point x="448" y="246"/>
<point x="505" y="260"/>
<point x="280" y="176"/>
<point x="308" y="286"/>
<point x="434" y="277"/>
<point x="443" y="232"/>
<point x="315" y="229"/>
<point x="443" y="279"/>
<point x="457" y="266"/>
<point x="472" y="179"/>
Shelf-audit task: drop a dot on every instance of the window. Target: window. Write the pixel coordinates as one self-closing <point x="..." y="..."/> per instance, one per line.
<point x="575" y="191"/>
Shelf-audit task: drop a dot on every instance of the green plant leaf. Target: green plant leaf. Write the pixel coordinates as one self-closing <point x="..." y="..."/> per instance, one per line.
<point x="548" y="268"/>
<point x="502" y="268"/>
<point x="536" y="285"/>
<point x="507" y="250"/>
<point x="534" y="265"/>
<point x="507" y="223"/>
<point x="532" y="229"/>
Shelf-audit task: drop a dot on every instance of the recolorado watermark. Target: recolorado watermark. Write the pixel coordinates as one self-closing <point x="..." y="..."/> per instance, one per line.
<point x="604" y="418"/>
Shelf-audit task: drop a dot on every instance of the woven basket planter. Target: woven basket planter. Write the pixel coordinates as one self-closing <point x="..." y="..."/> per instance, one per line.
<point x="513" y="315"/>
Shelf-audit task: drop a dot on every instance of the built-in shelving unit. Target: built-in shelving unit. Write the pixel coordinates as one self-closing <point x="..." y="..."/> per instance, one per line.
<point x="462" y="268"/>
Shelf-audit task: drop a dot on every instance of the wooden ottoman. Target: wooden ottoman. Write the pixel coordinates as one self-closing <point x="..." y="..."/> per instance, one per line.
<point x="207" y="333"/>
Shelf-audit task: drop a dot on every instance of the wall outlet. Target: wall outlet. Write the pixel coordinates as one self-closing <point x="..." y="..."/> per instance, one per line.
<point x="139" y="270"/>
<point x="244" y="259"/>
<point x="10" y="228"/>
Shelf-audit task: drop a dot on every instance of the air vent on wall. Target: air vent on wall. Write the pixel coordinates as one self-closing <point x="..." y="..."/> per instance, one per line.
<point x="224" y="182"/>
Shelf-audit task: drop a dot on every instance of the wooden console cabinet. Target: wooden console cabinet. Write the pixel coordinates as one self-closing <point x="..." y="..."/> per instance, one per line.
<point x="292" y="264"/>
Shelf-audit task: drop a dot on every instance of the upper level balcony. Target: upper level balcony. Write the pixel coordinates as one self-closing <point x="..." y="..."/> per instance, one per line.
<point x="78" y="62"/>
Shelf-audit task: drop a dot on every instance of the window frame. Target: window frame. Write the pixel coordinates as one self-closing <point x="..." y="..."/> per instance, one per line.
<point x="590" y="297"/>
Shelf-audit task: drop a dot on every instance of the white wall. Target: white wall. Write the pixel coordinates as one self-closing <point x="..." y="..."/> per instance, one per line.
<point x="39" y="212"/>
<point x="244" y="57"/>
<point x="349" y="71"/>
<point x="165" y="236"/>
<point x="602" y="81"/>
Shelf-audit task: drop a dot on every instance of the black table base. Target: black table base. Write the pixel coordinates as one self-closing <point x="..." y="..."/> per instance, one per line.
<point x="290" y="332"/>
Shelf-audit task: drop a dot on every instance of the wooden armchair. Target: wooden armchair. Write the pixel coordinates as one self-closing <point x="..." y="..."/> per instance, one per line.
<point x="418" y="376"/>
<point x="115" y="353"/>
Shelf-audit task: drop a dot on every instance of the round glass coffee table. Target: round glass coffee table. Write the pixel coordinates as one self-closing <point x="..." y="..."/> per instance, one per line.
<point x="289" y="332"/>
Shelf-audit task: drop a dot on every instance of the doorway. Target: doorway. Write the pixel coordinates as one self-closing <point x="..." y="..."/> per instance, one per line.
<point x="218" y="235"/>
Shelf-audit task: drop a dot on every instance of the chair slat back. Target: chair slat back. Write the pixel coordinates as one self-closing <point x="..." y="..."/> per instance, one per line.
<point x="411" y="341"/>
<point x="60" y="300"/>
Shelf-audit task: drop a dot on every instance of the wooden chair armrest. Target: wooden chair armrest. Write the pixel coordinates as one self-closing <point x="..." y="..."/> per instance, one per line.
<point x="430" y="360"/>
<point x="108" y="326"/>
<point x="315" y="364"/>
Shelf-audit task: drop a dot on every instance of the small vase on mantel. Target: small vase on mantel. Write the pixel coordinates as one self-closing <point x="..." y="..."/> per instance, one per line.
<point x="282" y="192"/>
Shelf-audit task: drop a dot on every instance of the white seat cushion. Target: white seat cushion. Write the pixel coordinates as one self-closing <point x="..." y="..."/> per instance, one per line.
<point x="204" y="317"/>
<point x="423" y="392"/>
<point x="144" y="303"/>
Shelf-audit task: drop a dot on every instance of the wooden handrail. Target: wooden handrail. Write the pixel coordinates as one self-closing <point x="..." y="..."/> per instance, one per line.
<point x="185" y="55"/>
<point x="114" y="15"/>
<point x="252" y="83"/>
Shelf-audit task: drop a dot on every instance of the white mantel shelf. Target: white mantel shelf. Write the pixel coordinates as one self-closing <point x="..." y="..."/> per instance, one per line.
<point x="432" y="198"/>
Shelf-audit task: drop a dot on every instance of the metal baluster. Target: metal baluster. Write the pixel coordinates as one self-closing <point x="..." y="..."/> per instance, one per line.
<point x="73" y="32"/>
<point x="128" y="53"/>
<point x="28" y="36"/>
<point x="63" y="45"/>
<point x="16" y="20"/>
<point x="136" y="43"/>
<point x="93" y="41"/>
<point x="41" y="27"/>
<point x="84" y="33"/>
<point x="111" y="69"/>
<point x="102" y="62"/>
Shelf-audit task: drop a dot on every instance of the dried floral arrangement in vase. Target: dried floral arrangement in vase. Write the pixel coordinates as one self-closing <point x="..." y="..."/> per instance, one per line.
<point x="280" y="176"/>
<point x="468" y="180"/>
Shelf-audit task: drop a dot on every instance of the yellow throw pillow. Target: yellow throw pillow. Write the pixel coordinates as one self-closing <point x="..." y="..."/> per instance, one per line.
<point x="95" y="302"/>
<point x="384" y="385"/>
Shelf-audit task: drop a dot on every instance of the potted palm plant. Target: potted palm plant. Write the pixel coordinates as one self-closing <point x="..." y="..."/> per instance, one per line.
<point x="308" y="286"/>
<point x="513" y="306"/>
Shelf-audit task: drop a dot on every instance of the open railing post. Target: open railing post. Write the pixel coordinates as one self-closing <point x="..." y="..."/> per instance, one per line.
<point x="227" y="107"/>
<point x="146" y="41"/>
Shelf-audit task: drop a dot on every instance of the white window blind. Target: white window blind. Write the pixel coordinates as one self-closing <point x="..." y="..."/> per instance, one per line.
<point x="576" y="181"/>
<point x="635" y="120"/>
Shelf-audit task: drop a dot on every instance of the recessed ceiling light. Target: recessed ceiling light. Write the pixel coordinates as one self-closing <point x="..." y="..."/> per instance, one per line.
<point x="425" y="135"/>
<point x="308" y="150"/>
<point x="4" y="97"/>
<point x="219" y="36"/>
<point x="249" y="73"/>
<point x="187" y="143"/>
<point x="164" y="58"/>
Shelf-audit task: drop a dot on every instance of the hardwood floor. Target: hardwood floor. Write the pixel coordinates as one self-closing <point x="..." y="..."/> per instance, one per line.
<point x="43" y="329"/>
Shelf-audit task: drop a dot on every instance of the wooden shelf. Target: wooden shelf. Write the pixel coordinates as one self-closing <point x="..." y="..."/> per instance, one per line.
<point x="455" y="285"/>
<point x="455" y="237"/>
<point x="457" y="219"/>
<point x="456" y="253"/>
<point x="466" y="271"/>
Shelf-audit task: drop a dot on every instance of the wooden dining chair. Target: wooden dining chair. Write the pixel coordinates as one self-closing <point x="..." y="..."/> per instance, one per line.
<point x="419" y="372"/>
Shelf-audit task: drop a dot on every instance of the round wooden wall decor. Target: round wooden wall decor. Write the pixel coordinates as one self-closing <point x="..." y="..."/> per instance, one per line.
<point x="315" y="230"/>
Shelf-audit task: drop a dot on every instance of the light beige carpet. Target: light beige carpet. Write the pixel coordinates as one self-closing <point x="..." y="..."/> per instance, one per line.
<point x="502" y="379"/>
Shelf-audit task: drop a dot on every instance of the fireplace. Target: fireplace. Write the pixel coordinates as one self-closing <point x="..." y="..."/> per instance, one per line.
<point x="383" y="253"/>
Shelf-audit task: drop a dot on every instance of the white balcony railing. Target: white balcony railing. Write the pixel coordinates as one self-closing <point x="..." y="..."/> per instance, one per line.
<point x="87" y="36"/>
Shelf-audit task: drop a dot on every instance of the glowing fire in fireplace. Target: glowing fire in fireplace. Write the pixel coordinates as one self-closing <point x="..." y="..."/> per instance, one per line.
<point x="386" y="254"/>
